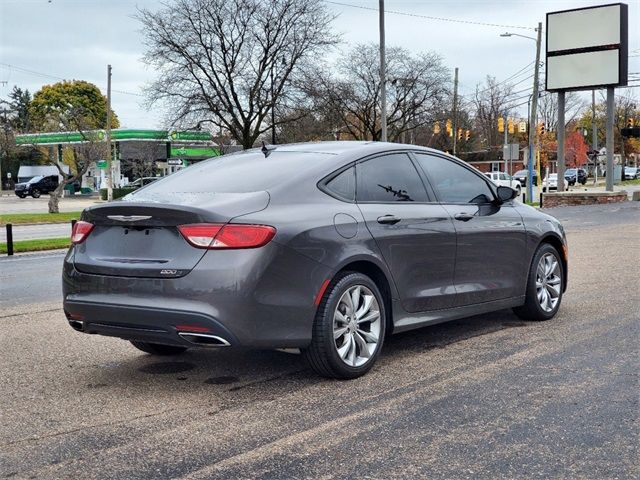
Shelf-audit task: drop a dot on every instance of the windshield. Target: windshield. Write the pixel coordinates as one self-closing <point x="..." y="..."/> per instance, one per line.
<point x="571" y="170"/>
<point x="36" y="179"/>
<point x="521" y="172"/>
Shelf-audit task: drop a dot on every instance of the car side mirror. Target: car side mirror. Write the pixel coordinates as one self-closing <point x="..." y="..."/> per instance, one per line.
<point x="506" y="193"/>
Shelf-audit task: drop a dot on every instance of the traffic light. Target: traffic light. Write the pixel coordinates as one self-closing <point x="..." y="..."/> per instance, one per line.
<point x="522" y="127"/>
<point x="500" y="124"/>
<point x="449" y="127"/>
<point x="459" y="134"/>
<point x="511" y="126"/>
<point x="541" y="128"/>
<point x="467" y="135"/>
<point x="436" y="128"/>
<point x="630" y="122"/>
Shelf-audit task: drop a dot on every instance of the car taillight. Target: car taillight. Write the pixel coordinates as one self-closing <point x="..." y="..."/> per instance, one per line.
<point x="219" y="236"/>
<point x="80" y="232"/>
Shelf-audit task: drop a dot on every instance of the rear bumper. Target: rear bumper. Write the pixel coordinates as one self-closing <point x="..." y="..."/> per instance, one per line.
<point x="262" y="298"/>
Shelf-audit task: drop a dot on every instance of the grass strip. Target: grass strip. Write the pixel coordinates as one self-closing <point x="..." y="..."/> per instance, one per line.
<point x="36" y="245"/>
<point x="34" y="218"/>
<point x="632" y="182"/>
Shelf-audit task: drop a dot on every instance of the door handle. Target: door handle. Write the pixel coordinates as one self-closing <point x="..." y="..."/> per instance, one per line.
<point x="388" y="219"/>
<point x="463" y="216"/>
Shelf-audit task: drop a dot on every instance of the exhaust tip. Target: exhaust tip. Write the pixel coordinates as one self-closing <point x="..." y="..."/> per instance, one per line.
<point x="204" y="340"/>
<point x="77" y="325"/>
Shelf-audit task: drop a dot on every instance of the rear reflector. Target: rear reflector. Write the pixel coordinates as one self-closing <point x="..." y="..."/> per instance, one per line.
<point x="219" y="236"/>
<point x="192" y="328"/>
<point x="80" y="232"/>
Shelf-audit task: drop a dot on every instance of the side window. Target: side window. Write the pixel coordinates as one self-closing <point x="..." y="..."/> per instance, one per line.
<point x="503" y="176"/>
<point x="452" y="182"/>
<point x="343" y="185"/>
<point x="389" y="178"/>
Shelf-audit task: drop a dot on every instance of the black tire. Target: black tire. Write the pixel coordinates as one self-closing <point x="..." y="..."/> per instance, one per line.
<point x="322" y="354"/>
<point x="157" y="348"/>
<point x="532" y="310"/>
<point x="35" y="193"/>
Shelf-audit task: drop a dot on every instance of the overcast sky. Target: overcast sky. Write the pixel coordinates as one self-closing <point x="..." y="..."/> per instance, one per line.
<point x="43" y="41"/>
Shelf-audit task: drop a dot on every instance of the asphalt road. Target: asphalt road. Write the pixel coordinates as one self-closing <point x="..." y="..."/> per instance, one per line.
<point x="9" y="203"/>
<point x="485" y="397"/>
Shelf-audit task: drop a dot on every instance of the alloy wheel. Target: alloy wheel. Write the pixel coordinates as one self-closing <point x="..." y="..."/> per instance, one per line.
<point x="356" y="325"/>
<point x="548" y="282"/>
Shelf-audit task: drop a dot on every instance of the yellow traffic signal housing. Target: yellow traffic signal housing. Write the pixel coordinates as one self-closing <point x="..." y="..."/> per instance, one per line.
<point x="449" y="127"/>
<point x="630" y="122"/>
<point x="511" y="126"/>
<point x="500" y="124"/>
<point x="541" y="128"/>
<point x="459" y="134"/>
<point x="436" y="128"/>
<point x="467" y="135"/>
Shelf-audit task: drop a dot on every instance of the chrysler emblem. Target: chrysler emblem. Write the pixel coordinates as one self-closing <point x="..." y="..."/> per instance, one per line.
<point x="128" y="218"/>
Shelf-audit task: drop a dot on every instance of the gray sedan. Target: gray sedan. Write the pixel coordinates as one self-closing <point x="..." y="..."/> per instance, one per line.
<point x="325" y="247"/>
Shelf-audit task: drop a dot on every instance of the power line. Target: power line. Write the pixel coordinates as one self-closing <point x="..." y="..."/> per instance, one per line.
<point x="428" y="17"/>
<point x="54" y="77"/>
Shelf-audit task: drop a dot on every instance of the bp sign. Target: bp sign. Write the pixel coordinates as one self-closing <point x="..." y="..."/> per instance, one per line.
<point x="102" y="164"/>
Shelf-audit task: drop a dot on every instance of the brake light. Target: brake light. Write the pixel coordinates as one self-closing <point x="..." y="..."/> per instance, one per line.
<point x="80" y="231"/>
<point x="219" y="236"/>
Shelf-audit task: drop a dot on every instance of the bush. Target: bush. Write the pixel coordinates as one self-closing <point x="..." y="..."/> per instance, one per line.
<point x="117" y="192"/>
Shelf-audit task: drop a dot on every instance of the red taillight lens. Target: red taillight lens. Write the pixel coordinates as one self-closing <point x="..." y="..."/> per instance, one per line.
<point x="80" y="232"/>
<point x="219" y="236"/>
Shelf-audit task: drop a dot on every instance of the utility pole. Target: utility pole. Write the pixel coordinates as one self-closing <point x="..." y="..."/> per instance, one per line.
<point x="506" y="150"/>
<point x="532" y="120"/>
<point x="108" y="137"/>
<point x="594" y="134"/>
<point x="383" y="78"/>
<point x="455" y="110"/>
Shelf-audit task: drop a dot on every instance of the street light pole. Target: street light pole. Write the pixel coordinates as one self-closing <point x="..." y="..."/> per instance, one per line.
<point x="383" y="78"/>
<point x="534" y="107"/>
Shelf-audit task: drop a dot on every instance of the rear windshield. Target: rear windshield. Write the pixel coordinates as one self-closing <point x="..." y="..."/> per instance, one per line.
<point x="237" y="173"/>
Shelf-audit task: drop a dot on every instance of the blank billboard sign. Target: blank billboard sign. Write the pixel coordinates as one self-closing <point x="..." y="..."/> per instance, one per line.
<point x="587" y="48"/>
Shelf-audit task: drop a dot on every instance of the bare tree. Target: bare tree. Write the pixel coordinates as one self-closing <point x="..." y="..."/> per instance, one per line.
<point x="417" y="87"/>
<point x="230" y="61"/>
<point x="548" y="109"/>
<point x="82" y="155"/>
<point x="491" y="101"/>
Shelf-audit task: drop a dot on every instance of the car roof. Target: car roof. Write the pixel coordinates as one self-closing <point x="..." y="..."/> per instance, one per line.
<point x="344" y="147"/>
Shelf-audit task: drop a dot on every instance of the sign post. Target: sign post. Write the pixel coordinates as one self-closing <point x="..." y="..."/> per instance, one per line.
<point x="580" y="57"/>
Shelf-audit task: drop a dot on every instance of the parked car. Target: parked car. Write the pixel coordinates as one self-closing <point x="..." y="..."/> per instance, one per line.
<point x="141" y="182"/>
<point x="576" y="175"/>
<point x="504" y="179"/>
<point x="551" y="183"/>
<point x="36" y="186"/>
<point x="631" y="173"/>
<point x="327" y="247"/>
<point x="523" y="175"/>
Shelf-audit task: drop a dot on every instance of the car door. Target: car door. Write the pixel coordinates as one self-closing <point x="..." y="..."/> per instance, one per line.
<point x="415" y="235"/>
<point x="490" y="238"/>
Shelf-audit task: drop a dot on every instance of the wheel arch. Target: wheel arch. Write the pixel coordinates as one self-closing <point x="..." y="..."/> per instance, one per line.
<point x="380" y="278"/>
<point x="556" y="242"/>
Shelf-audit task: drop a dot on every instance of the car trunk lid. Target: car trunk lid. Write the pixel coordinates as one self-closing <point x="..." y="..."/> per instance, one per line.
<point x="141" y="238"/>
